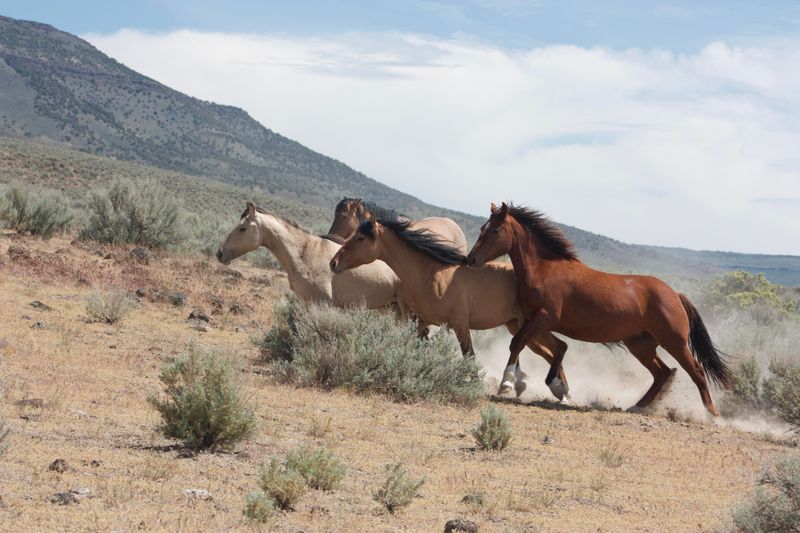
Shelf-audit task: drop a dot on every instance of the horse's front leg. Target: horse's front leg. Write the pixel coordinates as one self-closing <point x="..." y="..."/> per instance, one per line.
<point x="526" y="334"/>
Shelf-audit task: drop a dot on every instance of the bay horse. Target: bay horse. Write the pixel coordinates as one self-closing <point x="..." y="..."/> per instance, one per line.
<point x="558" y="293"/>
<point x="350" y="212"/>
<point x="440" y="290"/>
<point x="305" y="257"/>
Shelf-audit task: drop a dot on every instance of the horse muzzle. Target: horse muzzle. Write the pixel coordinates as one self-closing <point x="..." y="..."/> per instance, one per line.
<point x="222" y="258"/>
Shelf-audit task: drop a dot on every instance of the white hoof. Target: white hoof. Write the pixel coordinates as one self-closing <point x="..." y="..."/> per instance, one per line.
<point x="558" y="388"/>
<point x="505" y="387"/>
<point x="519" y="387"/>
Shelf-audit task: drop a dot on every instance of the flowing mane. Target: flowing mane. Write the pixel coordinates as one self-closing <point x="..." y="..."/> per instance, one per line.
<point x="380" y="213"/>
<point x="546" y="232"/>
<point x="421" y="240"/>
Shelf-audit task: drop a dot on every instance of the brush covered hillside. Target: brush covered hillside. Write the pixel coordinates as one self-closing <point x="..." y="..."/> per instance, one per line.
<point x="83" y="450"/>
<point x="60" y="91"/>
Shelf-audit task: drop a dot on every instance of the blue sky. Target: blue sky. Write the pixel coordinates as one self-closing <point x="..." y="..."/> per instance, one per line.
<point x="671" y="123"/>
<point x="675" y="25"/>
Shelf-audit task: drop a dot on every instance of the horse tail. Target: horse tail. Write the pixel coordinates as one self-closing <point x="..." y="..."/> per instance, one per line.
<point x="714" y="361"/>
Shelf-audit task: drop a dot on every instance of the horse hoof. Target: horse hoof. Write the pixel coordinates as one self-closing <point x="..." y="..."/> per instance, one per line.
<point x="504" y="388"/>
<point x="635" y="410"/>
<point x="558" y="388"/>
<point x="519" y="387"/>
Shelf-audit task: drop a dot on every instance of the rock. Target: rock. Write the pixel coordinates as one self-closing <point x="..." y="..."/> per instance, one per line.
<point x="216" y="304"/>
<point x="37" y="325"/>
<point x="109" y="255"/>
<point x="36" y="304"/>
<point x="59" y="465"/>
<point x="177" y="299"/>
<point x="141" y="293"/>
<point x="93" y="463"/>
<point x="199" y="326"/>
<point x="231" y="273"/>
<point x="17" y="252"/>
<point x="547" y="440"/>
<point x="239" y="309"/>
<point x="202" y="494"/>
<point x="141" y="255"/>
<point x="36" y="403"/>
<point x="3" y="343"/>
<point x="460" y="524"/>
<point x="70" y="497"/>
<point x="198" y="314"/>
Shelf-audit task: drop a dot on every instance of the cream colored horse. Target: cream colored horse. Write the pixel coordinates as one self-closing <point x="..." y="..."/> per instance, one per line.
<point x="350" y="212"/>
<point x="441" y="290"/>
<point x="305" y="259"/>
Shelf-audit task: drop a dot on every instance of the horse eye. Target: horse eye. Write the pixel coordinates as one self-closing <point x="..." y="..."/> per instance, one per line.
<point x="243" y="229"/>
<point x="496" y="230"/>
<point x="360" y="238"/>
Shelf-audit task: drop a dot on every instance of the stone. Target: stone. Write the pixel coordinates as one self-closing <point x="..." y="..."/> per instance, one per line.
<point x="59" y="465"/>
<point x="460" y="525"/>
<point x="36" y="403"/>
<point x="70" y="497"/>
<point x="198" y="314"/>
<point x="547" y="440"/>
<point x="141" y="255"/>
<point x="141" y="292"/>
<point x="37" y="325"/>
<point x="17" y="252"/>
<point x="36" y="304"/>
<point x="202" y="494"/>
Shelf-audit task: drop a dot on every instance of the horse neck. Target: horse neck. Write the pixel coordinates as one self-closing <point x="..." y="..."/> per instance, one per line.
<point x="408" y="263"/>
<point x="284" y="241"/>
<point x="525" y="255"/>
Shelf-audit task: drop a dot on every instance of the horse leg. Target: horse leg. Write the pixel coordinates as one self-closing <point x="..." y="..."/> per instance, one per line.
<point x="521" y="338"/>
<point x="679" y="349"/>
<point x="544" y="345"/>
<point x="643" y="347"/>
<point x="423" y="329"/>
<point x="465" y="340"/>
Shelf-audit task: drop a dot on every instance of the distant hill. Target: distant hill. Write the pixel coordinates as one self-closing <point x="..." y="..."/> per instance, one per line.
<point x="60" y="91"/>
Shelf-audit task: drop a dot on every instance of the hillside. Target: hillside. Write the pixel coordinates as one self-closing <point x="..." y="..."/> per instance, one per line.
<point x="75" y="390"/>
<point x="60" y="91"/>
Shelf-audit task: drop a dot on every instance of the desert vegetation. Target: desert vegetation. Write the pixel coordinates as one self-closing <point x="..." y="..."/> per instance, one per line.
<point x="775" y="505"/>
<point x="28" y="210"/>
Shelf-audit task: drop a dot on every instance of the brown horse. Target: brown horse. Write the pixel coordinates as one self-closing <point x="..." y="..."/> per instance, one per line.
<point x="558" y="293"/>
<point x="440" y="290"/>
<point x="350" y="212"/>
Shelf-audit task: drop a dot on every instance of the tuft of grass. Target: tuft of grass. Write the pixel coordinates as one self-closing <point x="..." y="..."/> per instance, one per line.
<point x="319" y="468"/>
<point x="40" y="213"/>
<point x="109" y="306"/>
<point x="367" y="352"/>
<point x="611" y="457"/>
<point x="283" y="484"/>
<point x="258" y="507"/>
<point x="204" y="406"/>
<point x="398" y="489"/>
<point x="5" y="431"/>
<point x="319" y="428"/>
<point x="775" y="506"/>
<point x="494" y="430"/>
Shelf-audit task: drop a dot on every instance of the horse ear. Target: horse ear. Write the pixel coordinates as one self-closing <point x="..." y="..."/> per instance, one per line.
<point x="494" y="209"/>
<point x="504" y="209"/>
<point x="251" y="209"/>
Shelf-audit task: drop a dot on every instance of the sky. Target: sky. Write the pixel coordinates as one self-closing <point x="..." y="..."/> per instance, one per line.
<point x="669" y="123"/>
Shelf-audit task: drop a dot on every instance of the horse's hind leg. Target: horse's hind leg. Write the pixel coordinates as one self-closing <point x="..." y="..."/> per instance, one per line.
<point x="465" y="341"/>
<point x="545" y="345"/>
<point x="643" y="347"/>
<point x="679" y="349"/>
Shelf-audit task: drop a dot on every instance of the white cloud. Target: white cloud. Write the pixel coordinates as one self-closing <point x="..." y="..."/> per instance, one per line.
<point x="643" y="146"/>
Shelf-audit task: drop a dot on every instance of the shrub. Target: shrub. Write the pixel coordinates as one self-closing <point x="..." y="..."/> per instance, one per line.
<point x="775" y="506"/>
<point x="743" y="290"/>
<point x="319" y="468"/>
<point x="398" y="489"/>
<point x="43" y="216"/>
<point x="781" y="392"/>
<point x="203" y="233"/>
<point x="109" y="307"/>
<point x="611" y="457"/>
<point x="283" y="484"/>
<point x="204" y="405"/>
<point x="258" y="507"/>
<point x="746" y="394"/>
<point x="364" y="351"/>
<point x="141" y="212"/>
<point x="494" y="430"/>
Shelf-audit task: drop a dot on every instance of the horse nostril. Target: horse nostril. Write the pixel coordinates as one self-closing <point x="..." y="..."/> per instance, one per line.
<point x="333" y="264"/>
<point x="219" y="255"/>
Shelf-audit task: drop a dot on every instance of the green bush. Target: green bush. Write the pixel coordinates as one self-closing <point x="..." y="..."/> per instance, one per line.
<point x="258" y="507"/>
<point x="494" y="430"/>
<point x="781" y="392"/>
<point x="141" y="212"/>
<point x="204" y="406"/>
<point x="283" y="484"/>
<point x="775" y="506"/>
<point x="109" y="307"/>
<point x="319" y="468"/>
<point x="40" y="213"/>
<point x="743" y="290"/>
<point x="746" y="394"/>
<point x="365" y="351"/>
<point x="398" y="489"/>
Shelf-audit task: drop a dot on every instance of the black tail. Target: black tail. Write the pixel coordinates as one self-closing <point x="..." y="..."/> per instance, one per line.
<point x="713" y="360"/>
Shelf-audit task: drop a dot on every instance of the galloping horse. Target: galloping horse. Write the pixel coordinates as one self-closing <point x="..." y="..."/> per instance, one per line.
<point x="440" y="290"/>
<point x="305" y="259"/>
<point x="558" y="293"/>
<point x="350" y="212"/>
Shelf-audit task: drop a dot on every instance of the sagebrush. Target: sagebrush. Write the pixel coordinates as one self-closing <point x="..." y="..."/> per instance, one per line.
<point x="258" y="507"/>
<point x="283" y="484"/>
<point x="319" y="467"/>
<point x="108" y="306"/>
<point x="204" y="405"/>
<point x="398" y="489"/>
<point x="41" y="213"/>
<point x="775" y="506"/>
<point x="494" y="430"/>
<point x="366" y="351"/>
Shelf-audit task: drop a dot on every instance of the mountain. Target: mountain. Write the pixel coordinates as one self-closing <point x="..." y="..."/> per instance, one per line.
<point x="61" y="92"/>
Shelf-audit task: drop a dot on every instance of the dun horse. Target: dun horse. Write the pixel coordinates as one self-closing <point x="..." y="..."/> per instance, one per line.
<point x="440" y="290"/>
<point x="350" y="212"/>
<point x="558" y="293"/>
<point x="305" y="259"/>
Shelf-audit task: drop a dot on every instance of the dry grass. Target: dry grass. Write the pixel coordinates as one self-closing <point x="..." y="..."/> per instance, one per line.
<point x="86" y="386"/>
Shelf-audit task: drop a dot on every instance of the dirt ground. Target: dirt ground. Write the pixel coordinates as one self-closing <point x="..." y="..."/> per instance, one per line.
<point x="77" y="390"/>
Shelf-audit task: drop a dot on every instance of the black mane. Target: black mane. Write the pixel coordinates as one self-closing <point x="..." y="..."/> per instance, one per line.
<point x="421" y="240"/>
<point x="378" y="212"/>
<point x="546" y="232"/>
